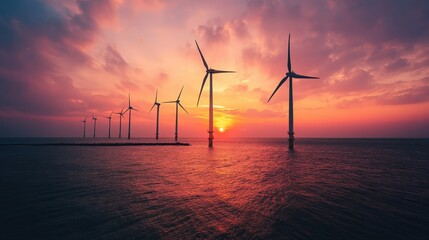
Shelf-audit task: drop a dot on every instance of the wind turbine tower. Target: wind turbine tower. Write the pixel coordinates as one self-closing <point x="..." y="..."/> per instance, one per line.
<point x="95" y="123"/>
<point x="129" y="109"/>
<point x="177" y="112"/>
<point x="210" y="71"/>
<point x="110" y="120"/>
<point x="290" y="74"/>
<point x="84" y="127"/>
<point x="121" y="115"/>
<point x="157" y="104"/>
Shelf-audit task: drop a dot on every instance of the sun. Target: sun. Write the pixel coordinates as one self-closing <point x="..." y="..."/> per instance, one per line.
<point x="221" y="129"/>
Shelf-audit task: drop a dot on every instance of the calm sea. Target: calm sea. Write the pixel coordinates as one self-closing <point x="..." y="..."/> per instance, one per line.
<point x="241" y="189"/>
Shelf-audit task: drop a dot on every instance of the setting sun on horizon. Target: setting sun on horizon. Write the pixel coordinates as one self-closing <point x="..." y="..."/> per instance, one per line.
<point x="65" y="60"/>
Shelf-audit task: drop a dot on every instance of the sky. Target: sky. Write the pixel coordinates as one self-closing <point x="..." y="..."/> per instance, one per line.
<point x="63" y="60"/>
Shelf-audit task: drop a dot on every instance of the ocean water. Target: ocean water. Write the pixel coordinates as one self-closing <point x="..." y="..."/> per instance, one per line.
<point x="240" y="189"/>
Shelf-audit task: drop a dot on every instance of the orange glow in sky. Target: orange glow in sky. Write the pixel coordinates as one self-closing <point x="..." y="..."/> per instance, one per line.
<point x="68" y="59"/>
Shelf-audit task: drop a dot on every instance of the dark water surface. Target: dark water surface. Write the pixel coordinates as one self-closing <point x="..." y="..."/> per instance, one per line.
<point x="241" y="189"/>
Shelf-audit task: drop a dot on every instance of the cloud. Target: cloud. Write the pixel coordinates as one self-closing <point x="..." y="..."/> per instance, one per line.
<point x="355" y="81"/>
<point x="161" y="78"/>
<point x="261" y="114"/>
<point x="41" y="42"/>
<point x="214" y="32"/>
<point x="239" y="27"/>
<point x="397" y="65"/>
<point x="238" y="88"/>
<point x="113" y="61"/>
<point x="417" y="93"/>
<point x="146" y="5"/>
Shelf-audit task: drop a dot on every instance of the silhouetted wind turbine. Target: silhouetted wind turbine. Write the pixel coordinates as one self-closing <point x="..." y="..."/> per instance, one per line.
<point x="157" y="104"/>
<point x="129" y="109"/>
<point x="95" y="123"/>
<point x="210" y="71"/>
<point x="121" y="115"/>
<point x="110" y="119"/>
<point x="84" y="127"/>
<point x="290" y="74"/>
<point x="177" y="112"/>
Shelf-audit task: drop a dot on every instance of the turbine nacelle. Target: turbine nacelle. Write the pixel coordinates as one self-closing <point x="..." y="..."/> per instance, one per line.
<point x="294" y="75"/>
<point x="121" y="114"/>
<point x="110" y="116"/>
<point x="130" y="109"/>
<point x="155" y="103"/>
<point x="177" y="101"/>
<point x="129" y="105"/>
<point x="214" y="71"/>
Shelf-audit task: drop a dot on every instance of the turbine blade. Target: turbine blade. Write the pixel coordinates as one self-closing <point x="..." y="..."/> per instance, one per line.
<point x="202" y="57"/>
<point x="129" y="100"/>
<point x="135" y="109"/>
<point x="280" y="84"/>
<point x="180" y="93"/>
<point x="222" y="71"/>
<point x="294" y="75"/>
<point x="126" y="111"/>
<point x="122" y="111"/>
<point x="183" y="108"/>
<point x="202" y="86"/>
<point x="289" y="64"/>
<point x="152" y="107"/>
<point x="156" y="96"/>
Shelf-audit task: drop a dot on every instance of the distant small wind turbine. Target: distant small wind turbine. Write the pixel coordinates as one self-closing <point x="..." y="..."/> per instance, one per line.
<point x="210" y="71"/>
<point x="84" y="127"/>
<point x="110" y="119"/>
<point x="95" y="123"/>
<point x="290" y="74"/>
<point x="121" y="115"/>
<point x="129" y="109"/>
<point x="157" y="104"/>
<point x="177" y="112"/>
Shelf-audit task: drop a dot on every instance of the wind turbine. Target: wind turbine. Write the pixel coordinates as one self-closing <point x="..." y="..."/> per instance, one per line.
<point x="110" y="119"/>
<point x="129" y="109"/>
<point x="157" y="104"/>
<point x="177" y="112"/>
<point x="95" y="123"/>
<point x="84" y="127"/>
<point x="121" y="115"/>
<point x="290" y="74"/>
<point x="210" y="71"/>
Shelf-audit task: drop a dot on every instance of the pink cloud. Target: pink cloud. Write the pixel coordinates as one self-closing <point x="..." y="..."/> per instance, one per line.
<point x="113" y="61"/>
<point x="214" y="32"/>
